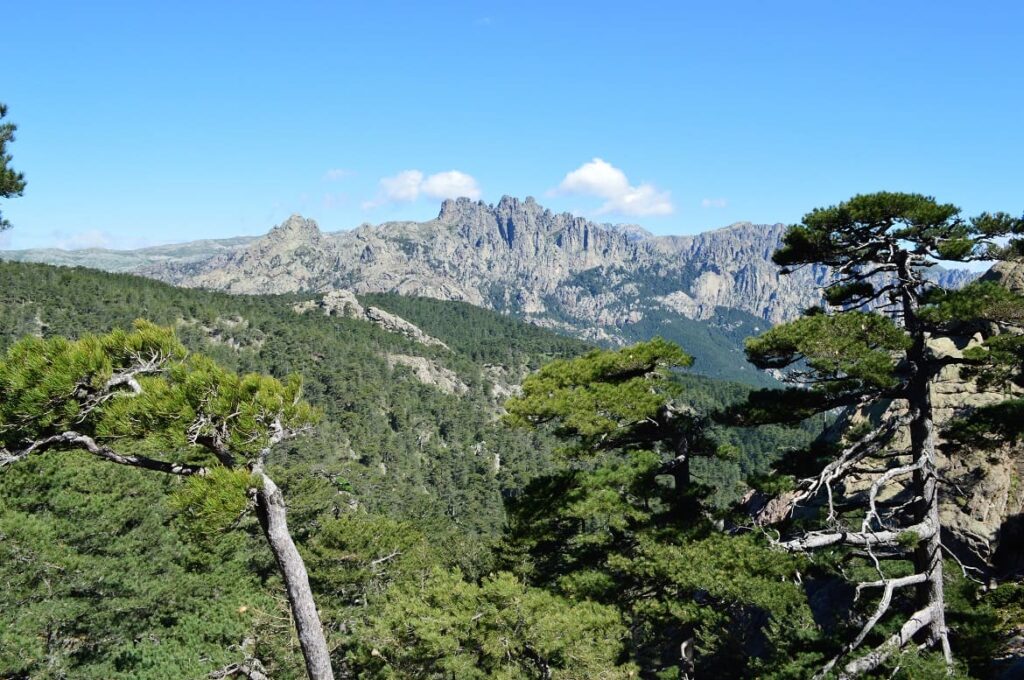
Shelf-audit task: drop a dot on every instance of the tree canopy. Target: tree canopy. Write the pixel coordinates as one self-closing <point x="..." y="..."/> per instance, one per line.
<point x="12" y="183"/>
<point x="115" y="395"/>
<point x="610" y="527"/>
<point x="872" y="348"/>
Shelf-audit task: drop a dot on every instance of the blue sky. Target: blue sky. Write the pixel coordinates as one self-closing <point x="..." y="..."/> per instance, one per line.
<point x="144" y="122"/>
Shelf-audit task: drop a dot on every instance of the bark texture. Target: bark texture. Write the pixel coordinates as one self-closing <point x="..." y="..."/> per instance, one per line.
<point x="272" y="514"/>
<point x="928" y="555"/>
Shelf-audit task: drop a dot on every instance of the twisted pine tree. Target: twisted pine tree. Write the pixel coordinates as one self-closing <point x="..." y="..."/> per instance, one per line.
<point x="120" y="395"/>
<point x="873" y="348"/>
<point x="11" y="183"/>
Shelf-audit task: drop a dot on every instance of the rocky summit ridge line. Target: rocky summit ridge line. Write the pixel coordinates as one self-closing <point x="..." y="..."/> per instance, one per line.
<point x="614" y="283"/>
<point x="519" y="257"/>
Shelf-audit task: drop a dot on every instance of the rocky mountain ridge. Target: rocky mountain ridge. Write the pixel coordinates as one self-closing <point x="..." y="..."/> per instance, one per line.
<point x="611" y="283"/>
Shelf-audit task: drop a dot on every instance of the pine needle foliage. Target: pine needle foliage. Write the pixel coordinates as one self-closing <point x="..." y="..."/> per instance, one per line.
<point x="871" y="348"/>
<point x="12" y="183"/>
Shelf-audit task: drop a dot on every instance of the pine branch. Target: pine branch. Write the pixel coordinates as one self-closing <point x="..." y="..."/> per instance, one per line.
<point x="76" y="440"/>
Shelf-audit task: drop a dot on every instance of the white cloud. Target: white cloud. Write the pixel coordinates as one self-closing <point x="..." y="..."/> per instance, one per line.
<point x="597" y="177"/>
<point x="409" y="185"/>
<point x="714" y="203"/>
<point x="335" y="174"/>
<point x="602" y="179"/>
<point x="451" y="184"/>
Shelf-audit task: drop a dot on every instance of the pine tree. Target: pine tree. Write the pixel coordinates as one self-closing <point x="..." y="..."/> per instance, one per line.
<point x="623" y="522"/>
<point x="618" y="400"/>
<point x="136" y="398"/>
<point x="443" y="626"/>
<point x="11" y="183"/>
<point x="870" y="349"/>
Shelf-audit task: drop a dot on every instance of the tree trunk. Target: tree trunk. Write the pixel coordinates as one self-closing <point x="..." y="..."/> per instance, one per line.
<point x="928" y="554"/>
<point x="931" y="594"/>
<point x="687" y="668"/>
<point x="270" y="509"/>
<point x="679" y="467"/>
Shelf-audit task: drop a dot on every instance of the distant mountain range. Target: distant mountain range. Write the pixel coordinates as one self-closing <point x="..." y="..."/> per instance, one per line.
<point x="605" y="283"/>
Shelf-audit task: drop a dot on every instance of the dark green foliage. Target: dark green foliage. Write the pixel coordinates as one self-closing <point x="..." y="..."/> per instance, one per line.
<point x="11" y="183"/>
<point x="849" y="293"/>
<point x="212" y="503"/>
<point x="136" y="398"/>
<point x="982" y="620"/>
<point x="857" y="231"/>
<point x="96" y="581"/>
<point x="395" y="466"/>
<point x="445" y="627"/>
<point x="988" y="427"/>
<point x="841" y="358"/>
<point x="852" y="351"/>
<point x="48" y="387"/>
<point x="438" y="450"/>
<point x="604" y="399"/>
<point x="716" y="342"/>
<point x="477" y="333"/>
<point x="621" y="523"/>
<point x="876" y="346"/>
<point x="387" y="442"/>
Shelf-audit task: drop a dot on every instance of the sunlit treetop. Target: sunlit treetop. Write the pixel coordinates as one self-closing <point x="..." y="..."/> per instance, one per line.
<point x="602" y="398"/>
<point x="874" y="228"/>
<point x="141" y="385"/>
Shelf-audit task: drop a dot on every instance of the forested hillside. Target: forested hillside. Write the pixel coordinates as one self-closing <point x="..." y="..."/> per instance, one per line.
<point x="401" y="478"/>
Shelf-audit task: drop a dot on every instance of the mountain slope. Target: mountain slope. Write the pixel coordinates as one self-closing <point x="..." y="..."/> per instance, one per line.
<point x="119" y="589"/>
<point x="609" y="284"/>
<point x="517" y="256"/>
<point x="604" y="283"/>
<point x="127" y="260"/>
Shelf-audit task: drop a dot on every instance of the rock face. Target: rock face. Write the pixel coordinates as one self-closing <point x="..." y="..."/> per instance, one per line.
<point x="345" y="303"/>
<point x="982" y="501"/>
<point x="1008" y="274"/>
<point x="982" y="498"/>
<point x="429" y="373"/>
<point x="519" y="257"/>
<point x="294" y="256"/>
<point x="984" y="489"/>
<point x="605" y="283"/>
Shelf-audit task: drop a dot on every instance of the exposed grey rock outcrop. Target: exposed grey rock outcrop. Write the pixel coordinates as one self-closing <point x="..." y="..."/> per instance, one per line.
<point x="518" y="256"/>
<point x="294" y="256"/>
<point x="1009" y="274"/>
<point x="982" y="496"/>
<point x="559" y="270"/>
<point x="344" y="303"/>
<point x="397" y="324"/>
<point x="429" y="373"/>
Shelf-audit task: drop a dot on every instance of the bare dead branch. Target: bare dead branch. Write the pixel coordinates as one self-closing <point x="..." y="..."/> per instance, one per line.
<point x="822" y="539"/>
<point x="879" y="484"/>
<point x="915" y="624"/>
<point x="250" y="668"/>
<point x="846" y="462"/>
<point x="890" y="586"/>
<point x="76" y="440"/>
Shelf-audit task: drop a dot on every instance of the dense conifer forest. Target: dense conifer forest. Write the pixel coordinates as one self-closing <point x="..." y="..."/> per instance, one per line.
<point x="399" y="484"/>
<point x="495" y="500"/>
